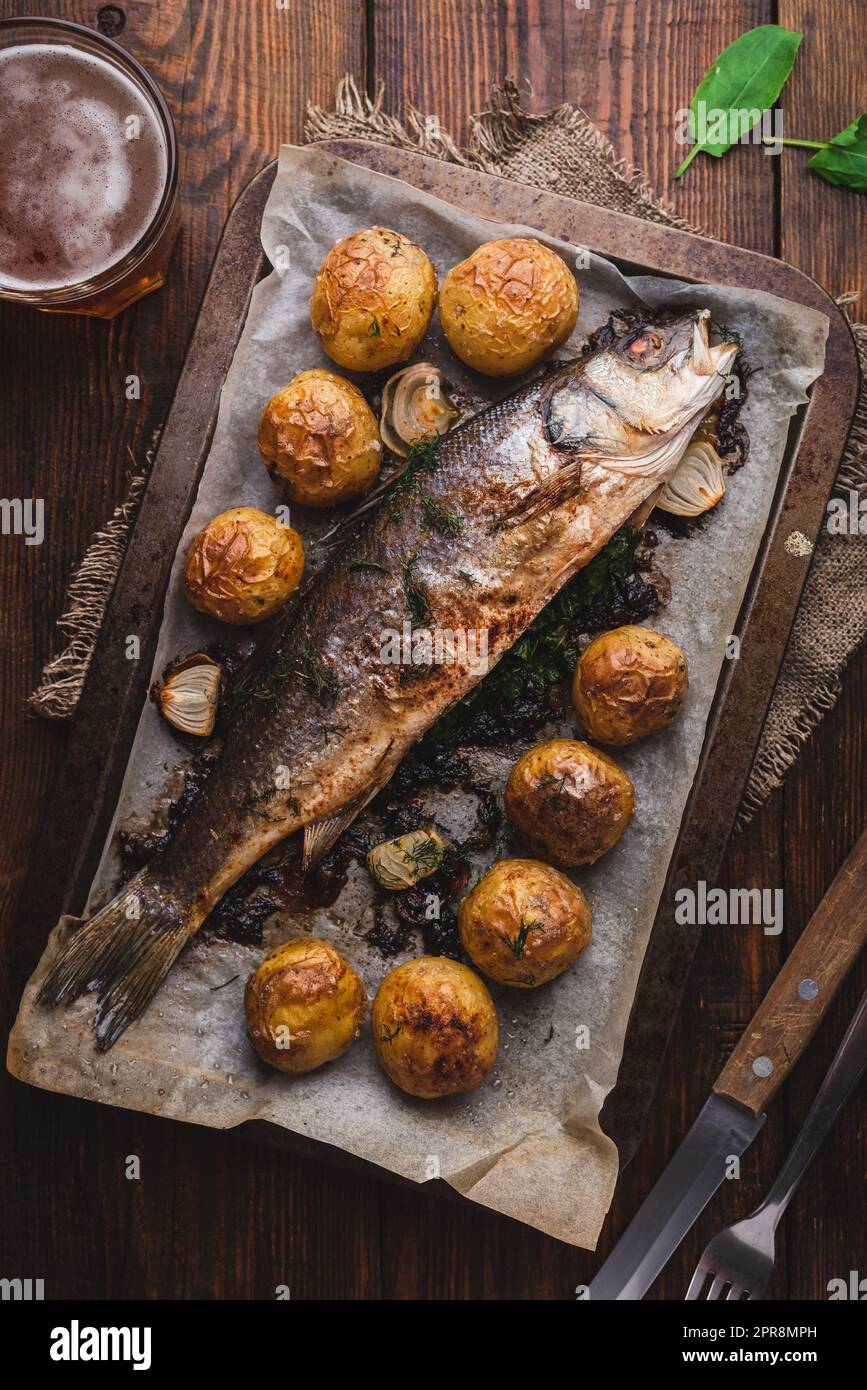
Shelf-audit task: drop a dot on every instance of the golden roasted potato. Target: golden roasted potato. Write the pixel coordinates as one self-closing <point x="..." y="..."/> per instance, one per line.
<point x="372" y="300"/>
<point x="628" y="683"/>
<point x="304" y="1005"/>
<point x="570" y="802"/>
<point x="243" y="566"/>
<point x="319" y="439"/>
<point x="507" y="304"/>
<point x="524" y="923"/>
<point x="435" y="1028"/>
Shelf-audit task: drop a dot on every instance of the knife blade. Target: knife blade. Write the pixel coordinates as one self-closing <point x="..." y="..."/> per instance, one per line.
<point x="769" y="1047"/>
<point x="723" y="1130"/>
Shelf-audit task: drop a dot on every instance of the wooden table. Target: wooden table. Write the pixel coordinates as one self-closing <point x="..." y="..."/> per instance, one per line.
<point x="214" y="1216"/>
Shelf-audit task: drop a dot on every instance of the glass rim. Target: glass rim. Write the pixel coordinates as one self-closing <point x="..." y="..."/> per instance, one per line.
<point x="119" y="271"/>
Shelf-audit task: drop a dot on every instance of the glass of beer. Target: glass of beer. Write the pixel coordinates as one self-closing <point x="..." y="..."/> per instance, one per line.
<point x="88" y="171"/>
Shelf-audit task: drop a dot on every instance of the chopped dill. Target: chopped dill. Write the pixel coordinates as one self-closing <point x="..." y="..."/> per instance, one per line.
<point x="425" y="854"/>
<point x="548" y="650"/>
<point x="251" y="802"/>
<point x="263" y="684"/>
<point x="443" y="518"/>
<point x="387" y="1037"/>
<point x="319" y="677"/>
<point x="517" y="944"/>
<point x="422" y="458"/>
<point x="374" y="329"/>
<point x="728" y="335"/>
<point x="415" y="592"/>
<point x="554" y="789"/>
<point x="466" y="576"/>
<point x="367" y="565"/>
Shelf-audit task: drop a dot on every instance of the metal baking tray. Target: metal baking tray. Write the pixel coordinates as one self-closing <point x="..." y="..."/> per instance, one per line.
<point x="81" y="809"/>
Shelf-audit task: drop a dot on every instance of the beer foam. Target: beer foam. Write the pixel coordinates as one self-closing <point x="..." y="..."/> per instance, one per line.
<point x="76" y="192"/>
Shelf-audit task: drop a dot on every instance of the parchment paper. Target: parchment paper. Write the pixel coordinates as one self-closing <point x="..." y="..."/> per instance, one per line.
<point x="528" y="1142"/>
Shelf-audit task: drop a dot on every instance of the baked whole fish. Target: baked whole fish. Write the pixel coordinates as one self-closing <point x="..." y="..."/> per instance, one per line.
<point x="518" y="499"/>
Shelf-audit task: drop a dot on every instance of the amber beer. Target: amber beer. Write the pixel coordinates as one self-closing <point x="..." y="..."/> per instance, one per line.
<point x="88" y="171"/>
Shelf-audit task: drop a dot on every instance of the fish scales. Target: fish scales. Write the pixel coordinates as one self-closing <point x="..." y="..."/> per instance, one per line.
<point x="530" y="490"/>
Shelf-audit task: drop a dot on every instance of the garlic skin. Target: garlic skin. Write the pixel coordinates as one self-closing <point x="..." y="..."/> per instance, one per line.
<point x="405" y="861"/>
<point x="415" y="406"/>
<point x="697" y="485"/>
<point x="189" y="694"/>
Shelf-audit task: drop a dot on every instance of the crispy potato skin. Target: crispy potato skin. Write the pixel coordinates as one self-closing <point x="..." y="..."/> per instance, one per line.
<point x="435" y="1028"/>
<point x="243" y="566"/>
<point x="508" y="304"/>
<point x="516" y="891"/>
<point x="570" y="802"/>
<point x="319" y="439"/>
<point x="372" y="300"/>
<point x="304" y="1005"/>
<point x="628" y="683"/>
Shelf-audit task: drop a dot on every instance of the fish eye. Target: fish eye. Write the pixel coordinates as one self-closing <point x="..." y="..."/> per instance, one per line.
<point x="646" y="344"/>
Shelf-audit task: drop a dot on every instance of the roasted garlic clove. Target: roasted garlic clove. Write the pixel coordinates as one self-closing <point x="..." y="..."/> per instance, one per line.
<point x="402" y="862"/>
<point x="415" y="406"/>
<point x="189" y="694"/>
<point x="698" y="483"/>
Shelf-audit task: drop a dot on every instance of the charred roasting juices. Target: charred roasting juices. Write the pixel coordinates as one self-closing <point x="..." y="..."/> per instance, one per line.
<point x="541" y="482"/>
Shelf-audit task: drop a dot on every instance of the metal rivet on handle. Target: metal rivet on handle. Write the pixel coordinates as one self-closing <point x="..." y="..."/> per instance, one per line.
<point x="763" y="1066"/>
<point x="808" y="989"/>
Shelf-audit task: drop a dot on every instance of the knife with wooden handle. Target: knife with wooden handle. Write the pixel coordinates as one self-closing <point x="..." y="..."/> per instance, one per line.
<point x="730" y="1119"/>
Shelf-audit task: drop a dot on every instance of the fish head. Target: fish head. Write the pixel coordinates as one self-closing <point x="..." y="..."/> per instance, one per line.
<point x="646" y="383"/>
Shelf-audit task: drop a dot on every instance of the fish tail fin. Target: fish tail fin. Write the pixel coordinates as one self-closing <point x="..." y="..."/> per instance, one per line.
<point x="124" y="953"/>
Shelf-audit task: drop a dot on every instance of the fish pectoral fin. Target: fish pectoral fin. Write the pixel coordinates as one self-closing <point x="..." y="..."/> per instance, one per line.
<point x="637" y="518"/>
<point x="551" y="492"/>
<point x="320" y="835"/>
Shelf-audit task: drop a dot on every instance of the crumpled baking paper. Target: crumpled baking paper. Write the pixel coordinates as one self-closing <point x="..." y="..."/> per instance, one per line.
<point x="528" y="1142"/>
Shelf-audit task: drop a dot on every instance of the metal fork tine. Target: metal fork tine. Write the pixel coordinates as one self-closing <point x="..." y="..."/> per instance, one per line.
<point x="697" y="1284"/>
<point x="716" y="1287"/>
<point x="735" y="1294"/>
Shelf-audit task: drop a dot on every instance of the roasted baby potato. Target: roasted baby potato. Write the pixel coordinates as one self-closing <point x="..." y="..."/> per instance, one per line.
<point x="435" y="1028"/>
<point x="304" y="1005"/>
<point x="628" y="683"/>
<point x="243" y="566"/>
<point x="507" y="304"/>
<point x="570" y="802"/>
<point x="524" y="923"/>
<point x="319" y="439"/>
<point x="372" y="300"/>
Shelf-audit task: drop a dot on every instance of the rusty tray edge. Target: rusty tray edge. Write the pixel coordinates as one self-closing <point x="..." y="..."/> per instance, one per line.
<point x="69" y="845"/>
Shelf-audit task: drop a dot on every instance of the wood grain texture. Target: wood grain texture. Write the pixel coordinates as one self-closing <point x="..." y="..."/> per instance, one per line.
<point x="824" y="805"/>
<point x="208" y="1218"/>
<point x="216" y="1216"/>
<point x="787" y="1017"/>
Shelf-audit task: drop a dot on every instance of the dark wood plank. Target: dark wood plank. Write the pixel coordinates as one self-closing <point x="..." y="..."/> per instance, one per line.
<point x="599" y="58"/>
<point x="212" y="1216"/>
<point x="823" y="230"/>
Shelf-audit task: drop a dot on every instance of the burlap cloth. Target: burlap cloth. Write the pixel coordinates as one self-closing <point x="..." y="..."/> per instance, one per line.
<point x="561" y="150"/>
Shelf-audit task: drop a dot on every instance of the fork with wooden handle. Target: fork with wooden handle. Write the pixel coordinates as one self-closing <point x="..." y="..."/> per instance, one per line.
<point x="734" y="1113"/>
<point x="740" y="1260"/>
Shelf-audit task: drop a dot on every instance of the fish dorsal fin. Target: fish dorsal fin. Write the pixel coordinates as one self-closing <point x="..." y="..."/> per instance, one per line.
<point x="322" y="834"/>
<point x="551" y="492"/>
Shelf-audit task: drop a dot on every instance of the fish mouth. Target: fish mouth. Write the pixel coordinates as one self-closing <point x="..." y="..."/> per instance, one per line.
<point x="707" y="360"/>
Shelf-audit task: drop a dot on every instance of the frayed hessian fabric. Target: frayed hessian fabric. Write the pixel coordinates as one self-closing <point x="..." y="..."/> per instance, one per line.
<point x="563" y="151"/>
<point x="87" y="596"/>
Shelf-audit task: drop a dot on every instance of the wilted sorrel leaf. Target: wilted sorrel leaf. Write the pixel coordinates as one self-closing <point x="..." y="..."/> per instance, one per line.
<point x="844" y="159"/>
<point x="745" y="80"/>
